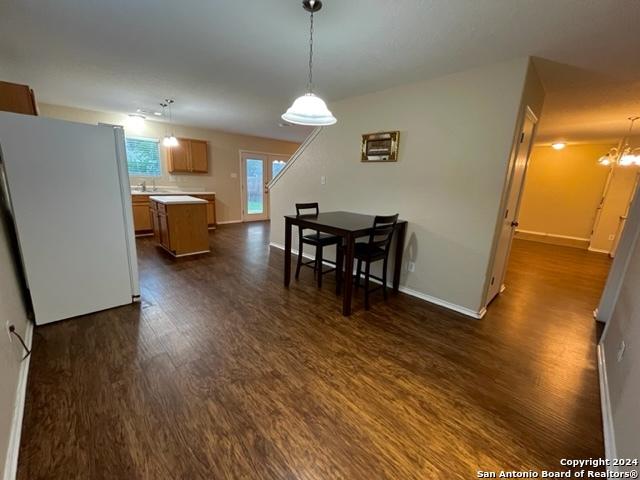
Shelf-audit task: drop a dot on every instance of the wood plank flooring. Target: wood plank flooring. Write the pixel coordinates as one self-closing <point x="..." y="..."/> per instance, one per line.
<point x="222" y="373"/>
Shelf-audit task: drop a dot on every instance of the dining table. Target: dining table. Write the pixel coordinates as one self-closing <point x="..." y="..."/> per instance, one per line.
<point x="350" y="226"/>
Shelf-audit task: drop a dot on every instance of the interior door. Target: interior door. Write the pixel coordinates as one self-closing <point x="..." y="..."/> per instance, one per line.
<point x="257" y="171"/>
<point x="510" y="215"/>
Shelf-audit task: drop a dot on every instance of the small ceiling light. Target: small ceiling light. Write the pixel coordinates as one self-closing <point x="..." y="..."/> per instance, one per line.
<point x="310" y="109"/>
<point x="135" y="122"/>
<point x="558" y="145"/>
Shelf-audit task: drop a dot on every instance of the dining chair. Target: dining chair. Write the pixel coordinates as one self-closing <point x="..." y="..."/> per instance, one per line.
<point x="318" y="240"/>
<point x="375" y="249"/>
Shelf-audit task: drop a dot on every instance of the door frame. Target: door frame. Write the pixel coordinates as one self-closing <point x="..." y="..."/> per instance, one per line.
<point x="267" y="203"/>
<point x="526" y="112"/>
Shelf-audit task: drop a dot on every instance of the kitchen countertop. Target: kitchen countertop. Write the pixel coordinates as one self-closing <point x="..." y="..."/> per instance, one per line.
<point x="176" y="199"/>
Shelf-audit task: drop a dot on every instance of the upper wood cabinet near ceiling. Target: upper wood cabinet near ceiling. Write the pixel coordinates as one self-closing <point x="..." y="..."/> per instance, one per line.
<point x="17" y="98"/>
<point x="190" y="156"/>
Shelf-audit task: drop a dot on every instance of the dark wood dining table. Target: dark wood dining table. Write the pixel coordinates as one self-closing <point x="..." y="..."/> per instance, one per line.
<point x="350" y="226"/>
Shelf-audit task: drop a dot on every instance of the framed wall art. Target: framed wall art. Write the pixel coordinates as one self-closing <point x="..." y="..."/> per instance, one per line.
<point x="380" y="147"/>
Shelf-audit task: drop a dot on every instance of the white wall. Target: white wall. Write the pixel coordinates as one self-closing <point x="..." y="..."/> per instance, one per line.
<point x="11" y="310"/>
<point x="456" y="135"/>
<point x="623" y="377"/>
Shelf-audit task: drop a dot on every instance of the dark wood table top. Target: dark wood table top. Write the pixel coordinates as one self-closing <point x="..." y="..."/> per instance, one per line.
<point x="344" y="221"/>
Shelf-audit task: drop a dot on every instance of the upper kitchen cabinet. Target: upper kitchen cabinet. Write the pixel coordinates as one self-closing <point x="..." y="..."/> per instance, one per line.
<point x="17" y="98"/>
<point x="190" y="156"/>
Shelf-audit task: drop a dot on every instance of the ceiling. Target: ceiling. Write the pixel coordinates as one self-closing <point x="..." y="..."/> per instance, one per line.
<point x="237" y="66"/>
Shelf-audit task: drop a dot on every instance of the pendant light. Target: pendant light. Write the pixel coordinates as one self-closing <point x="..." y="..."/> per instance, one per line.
<point x="310" y="109"/>
<point x="169" y="140"/>
<point x="624" y="154"/>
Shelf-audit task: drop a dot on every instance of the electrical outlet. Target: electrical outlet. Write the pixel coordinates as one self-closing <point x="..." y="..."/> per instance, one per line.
<point x="411" y="266"/>
<point x="621" y="350"/>
<point x="323" y="180"/>
<point x="233" y="175"/>
<point x="612" y="238"/>
<point x="7" y="329"/>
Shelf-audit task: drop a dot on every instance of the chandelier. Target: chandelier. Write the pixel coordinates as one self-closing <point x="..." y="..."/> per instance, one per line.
<point x="624" y="154"/>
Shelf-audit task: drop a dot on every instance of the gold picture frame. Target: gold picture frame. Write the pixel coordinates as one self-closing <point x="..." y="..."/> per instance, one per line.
<point x="380" y="147"/>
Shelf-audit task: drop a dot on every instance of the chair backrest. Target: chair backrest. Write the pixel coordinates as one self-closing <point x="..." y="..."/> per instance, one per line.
<point x="310" y="209"/>
<point x="301" y="207"/>
<point x="382" y="231"/>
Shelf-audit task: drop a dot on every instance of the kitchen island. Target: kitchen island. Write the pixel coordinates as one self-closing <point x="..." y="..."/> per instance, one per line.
<point x="180" y="224"/>
<point x="141" y="204"/>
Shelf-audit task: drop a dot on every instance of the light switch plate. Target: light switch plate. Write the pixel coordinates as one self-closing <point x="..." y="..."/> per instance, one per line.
<point x="323" y="180"/>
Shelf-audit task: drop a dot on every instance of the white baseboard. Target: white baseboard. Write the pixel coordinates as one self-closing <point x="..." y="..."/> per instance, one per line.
<point x="413" y="293"/>
<point x="228" y="222"/>
<point x="552" y="238"/>
<point x="11" y="463"/>
<point x="607" y="417"/>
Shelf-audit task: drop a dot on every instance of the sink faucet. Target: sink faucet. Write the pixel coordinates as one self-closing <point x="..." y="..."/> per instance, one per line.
<point x="143" y="186"/>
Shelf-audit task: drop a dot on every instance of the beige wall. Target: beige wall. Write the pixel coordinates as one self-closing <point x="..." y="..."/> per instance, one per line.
<point x="615" y="205"/>
<point x="456" y="135"/>
<point x="224" y="160"/>
<point x="562" y="190"/>
<point x="11" y="310"/>
<point x="623" y="378"/>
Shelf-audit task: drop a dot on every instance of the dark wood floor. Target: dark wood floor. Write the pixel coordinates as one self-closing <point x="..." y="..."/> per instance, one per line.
<point x="221" y="373"/>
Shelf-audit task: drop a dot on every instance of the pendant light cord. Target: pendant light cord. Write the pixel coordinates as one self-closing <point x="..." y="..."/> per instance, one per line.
<point x="310" y="85"/>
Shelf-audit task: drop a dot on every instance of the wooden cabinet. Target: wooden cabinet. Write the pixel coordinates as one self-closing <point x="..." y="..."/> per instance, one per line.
<point x="199" y="156"/>
<point x="143" y="219"/>
<point x="190" y="156"/>
<point x="17" y="98"/>
<point x="180" y="226"/>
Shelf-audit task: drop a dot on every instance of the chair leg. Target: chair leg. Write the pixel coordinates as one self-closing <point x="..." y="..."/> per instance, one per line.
<point x="299" y="260"/>
<point x="339" y="261"/>
<point x="358" y="272"/>
<point x="384" y="279"/>
<point x="366" y="285"/>
<point x="319" y="263"/>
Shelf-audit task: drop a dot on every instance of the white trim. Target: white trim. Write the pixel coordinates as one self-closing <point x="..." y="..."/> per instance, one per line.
<point x="228" y="222"/>
<point x="11" y="462"/>
<point x="552" y="235"/>
<point x="303" y="146"/>
<point x="598" y="250"/>
<point x="443" y="303"/>
<point x="607" y="417"/>
<point x="414" y="293"/>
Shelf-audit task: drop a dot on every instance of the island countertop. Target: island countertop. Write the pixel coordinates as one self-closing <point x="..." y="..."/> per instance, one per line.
<point x="163" y="193"/>
<point x="176" y="199"/>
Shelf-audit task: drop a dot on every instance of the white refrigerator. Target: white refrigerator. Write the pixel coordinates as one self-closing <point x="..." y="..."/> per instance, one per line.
<point x="65" y="190"/>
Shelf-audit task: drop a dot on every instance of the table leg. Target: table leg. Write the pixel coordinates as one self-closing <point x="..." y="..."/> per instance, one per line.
<point x="287" y="252"/>
<point x="339" y="267"/>
<point x="397" y="267"/>
<point x="348" y="275"/>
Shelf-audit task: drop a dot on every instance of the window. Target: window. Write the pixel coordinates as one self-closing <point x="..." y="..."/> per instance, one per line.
<point x="143" y="157"/>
